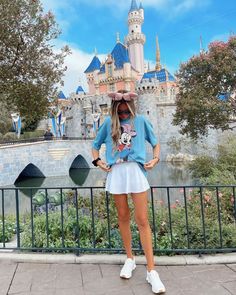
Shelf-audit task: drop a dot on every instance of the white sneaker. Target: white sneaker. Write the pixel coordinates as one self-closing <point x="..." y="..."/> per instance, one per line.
<point x="129" y="266"/>
<point x="155" y="281"/>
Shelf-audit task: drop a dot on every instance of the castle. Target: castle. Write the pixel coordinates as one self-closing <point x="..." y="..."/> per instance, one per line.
<point x="124" y="68"/>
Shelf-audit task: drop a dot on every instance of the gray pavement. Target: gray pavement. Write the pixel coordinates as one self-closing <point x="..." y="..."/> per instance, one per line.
<point x="37" y="278"/>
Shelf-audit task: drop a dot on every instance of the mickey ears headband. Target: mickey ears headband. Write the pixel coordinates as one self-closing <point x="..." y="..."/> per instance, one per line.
<point x="116" y="96"/>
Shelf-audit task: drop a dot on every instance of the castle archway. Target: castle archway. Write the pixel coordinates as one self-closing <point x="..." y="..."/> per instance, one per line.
<point x="79" y="177"/>
<point x="30" y="171"/>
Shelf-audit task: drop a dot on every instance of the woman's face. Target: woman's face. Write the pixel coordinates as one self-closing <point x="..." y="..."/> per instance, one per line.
<point x="123" y="111"/>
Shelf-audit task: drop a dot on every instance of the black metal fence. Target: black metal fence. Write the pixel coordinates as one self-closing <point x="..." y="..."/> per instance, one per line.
<point x="183" y="219"/>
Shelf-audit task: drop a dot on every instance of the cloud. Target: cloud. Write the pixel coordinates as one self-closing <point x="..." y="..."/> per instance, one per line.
<point x="76" y="63"/>
<point x="171" y="8"/>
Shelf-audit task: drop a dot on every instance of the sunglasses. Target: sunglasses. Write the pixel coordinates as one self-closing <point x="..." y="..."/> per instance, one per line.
<point x="123" y="112"/>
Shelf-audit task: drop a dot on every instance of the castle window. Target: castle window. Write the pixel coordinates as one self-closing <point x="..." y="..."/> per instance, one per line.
<point x="172" y="91"/>
<point x="162" y="112"/>
<point x="110" y="72"/>
<point x="147" y="112"/>
<point x="112" y="87"/>
<point x="162" y="93"/>
<point x="132" y="31"/>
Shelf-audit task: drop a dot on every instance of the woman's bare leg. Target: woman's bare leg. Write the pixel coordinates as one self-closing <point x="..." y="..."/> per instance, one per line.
<point x="141" y="217"/>
<point x="124" y="222"/>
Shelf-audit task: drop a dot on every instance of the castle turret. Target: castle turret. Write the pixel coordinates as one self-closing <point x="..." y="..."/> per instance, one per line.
<point x="92" y="75"/>
<point x="135" y="39"/>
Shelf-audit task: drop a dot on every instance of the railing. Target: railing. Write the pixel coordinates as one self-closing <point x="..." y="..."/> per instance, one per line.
<point x="184" y="219"/>
<point x="39" y="139"/>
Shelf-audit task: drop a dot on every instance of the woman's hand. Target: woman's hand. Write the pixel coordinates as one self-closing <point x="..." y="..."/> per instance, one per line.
<point x="103" y="166"/>
<point x="149" y="165"/>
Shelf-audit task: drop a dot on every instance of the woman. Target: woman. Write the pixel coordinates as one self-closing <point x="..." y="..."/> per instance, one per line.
<point x="124" y="133"/>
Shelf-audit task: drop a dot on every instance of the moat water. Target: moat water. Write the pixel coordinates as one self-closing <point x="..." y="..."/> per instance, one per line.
<point x="164" y="174"/>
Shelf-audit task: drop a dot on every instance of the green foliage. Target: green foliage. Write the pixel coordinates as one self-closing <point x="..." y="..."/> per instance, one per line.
<point x="9" y="228"/>
<point x="201" y="80"/>
<point x="5" y="120"/>
<point x="202" y="166"/>
<point x="9" y="136"/>
<point x="32" y="134"/>
<point x="30" y="68"/>
<point x="81" y="233"/>
<point x="218" y="170"/>
<point x="196" y="203"/>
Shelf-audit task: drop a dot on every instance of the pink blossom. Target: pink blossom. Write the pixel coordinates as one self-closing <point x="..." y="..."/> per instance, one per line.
<point x="207" y="198"/>
<point x="232" y="200"/>
<point x="220" y="195"/>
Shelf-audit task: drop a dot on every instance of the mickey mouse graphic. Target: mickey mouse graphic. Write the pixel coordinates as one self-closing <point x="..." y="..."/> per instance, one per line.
<point x="125" y="141"/>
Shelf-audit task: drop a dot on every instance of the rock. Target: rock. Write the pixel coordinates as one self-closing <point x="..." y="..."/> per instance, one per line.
<point x="180" y="157"/>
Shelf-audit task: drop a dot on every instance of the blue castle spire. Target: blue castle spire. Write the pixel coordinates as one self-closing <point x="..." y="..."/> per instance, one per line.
<point x="141" y="5"/>
<point x="61" y="95"/>
<point x="134" y="6"/>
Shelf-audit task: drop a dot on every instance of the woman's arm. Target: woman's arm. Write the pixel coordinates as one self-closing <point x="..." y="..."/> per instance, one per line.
<point x="101" y="164"/>
<point x="156" y="158"/>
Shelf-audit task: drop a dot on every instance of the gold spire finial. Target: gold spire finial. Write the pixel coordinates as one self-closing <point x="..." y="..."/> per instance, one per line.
<point x="117" y="37"/>
<point x="158" y="56"/>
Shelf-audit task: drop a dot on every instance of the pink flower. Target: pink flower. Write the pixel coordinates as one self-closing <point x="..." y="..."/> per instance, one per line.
<point x="232" y="200"/>
<point x="207" y="198"/>
<point x="177" y="202"/>
<point x="161" y="202"/>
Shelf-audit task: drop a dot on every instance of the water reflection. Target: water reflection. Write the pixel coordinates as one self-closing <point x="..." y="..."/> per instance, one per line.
<point x="165" y="174"/>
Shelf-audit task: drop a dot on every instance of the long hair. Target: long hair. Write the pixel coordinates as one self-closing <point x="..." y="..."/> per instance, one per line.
<point x="115" y="125"/>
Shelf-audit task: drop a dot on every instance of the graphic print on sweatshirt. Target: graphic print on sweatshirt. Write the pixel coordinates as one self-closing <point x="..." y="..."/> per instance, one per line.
<point x="125" y="142"/>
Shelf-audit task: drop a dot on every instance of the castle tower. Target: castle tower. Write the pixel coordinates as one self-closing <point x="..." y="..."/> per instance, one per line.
<point x="92" y="75"/>
<point x="135" y="39"/>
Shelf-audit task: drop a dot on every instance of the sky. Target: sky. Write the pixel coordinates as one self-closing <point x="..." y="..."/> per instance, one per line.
<point x="90" y="24"/>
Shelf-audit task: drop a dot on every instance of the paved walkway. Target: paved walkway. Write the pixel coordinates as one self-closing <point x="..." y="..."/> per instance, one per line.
<point x="103" y="279"/>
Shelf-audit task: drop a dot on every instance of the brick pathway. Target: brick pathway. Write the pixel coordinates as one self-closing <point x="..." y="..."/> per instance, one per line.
<point x="103" y="279"/>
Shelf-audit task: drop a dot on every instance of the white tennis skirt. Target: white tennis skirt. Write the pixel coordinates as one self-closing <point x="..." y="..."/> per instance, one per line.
<point x="125" y="178"/>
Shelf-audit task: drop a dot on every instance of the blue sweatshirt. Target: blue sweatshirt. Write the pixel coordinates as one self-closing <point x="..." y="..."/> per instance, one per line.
<point x="131" y="146"/>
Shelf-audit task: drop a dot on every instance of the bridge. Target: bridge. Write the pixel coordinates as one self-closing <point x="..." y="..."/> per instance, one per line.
<point x="43" y="159"/>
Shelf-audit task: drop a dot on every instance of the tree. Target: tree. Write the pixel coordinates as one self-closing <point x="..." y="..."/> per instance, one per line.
<point x="207" y="87"/>
<point x="30" y="68"/>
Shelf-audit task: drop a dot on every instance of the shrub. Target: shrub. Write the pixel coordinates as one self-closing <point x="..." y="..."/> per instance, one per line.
<point x="9" y="228"/>
<point x="178" y="237"/>
<point x="202" y="166"/>
<point x="218" y="170"/>
<point x="10" y="136"/>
